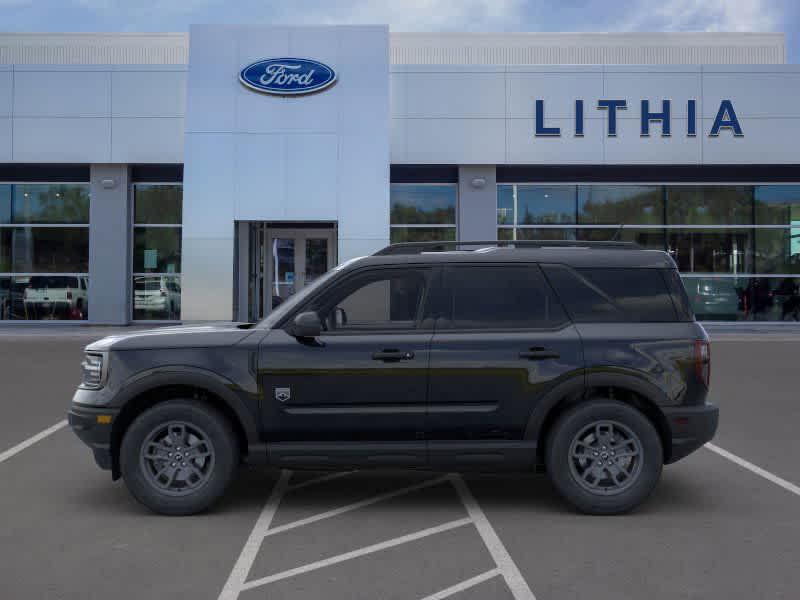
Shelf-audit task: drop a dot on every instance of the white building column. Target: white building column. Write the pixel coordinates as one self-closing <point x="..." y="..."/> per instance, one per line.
<point x="477" y="203"/>
<point x="109" y="245"/>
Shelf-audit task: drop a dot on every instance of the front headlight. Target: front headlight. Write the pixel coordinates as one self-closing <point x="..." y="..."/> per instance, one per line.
<point x="93" y="370"/>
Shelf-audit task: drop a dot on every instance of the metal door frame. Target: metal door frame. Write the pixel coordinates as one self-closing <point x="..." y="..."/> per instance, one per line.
<point x="300" y="235"/>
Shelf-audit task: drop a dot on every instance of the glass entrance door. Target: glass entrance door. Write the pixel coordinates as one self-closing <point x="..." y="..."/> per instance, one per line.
<point x="283" y="261"/>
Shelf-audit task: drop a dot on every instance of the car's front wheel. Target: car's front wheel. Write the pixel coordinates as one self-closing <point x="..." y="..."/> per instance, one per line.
<point x="178" y="457"/>
<point x="604" y="457"/>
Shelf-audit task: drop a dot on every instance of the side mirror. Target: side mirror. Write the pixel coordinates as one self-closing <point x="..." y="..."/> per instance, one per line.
<point x="307" y="325"/>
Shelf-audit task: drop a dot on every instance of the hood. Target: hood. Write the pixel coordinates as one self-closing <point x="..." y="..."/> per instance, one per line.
<point x="207" y="335"/>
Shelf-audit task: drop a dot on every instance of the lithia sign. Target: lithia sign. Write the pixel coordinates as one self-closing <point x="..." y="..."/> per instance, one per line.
<point x="725" y="120"/>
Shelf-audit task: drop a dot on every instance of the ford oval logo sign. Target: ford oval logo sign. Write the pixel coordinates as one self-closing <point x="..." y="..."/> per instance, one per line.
<point x="287" y="76"/>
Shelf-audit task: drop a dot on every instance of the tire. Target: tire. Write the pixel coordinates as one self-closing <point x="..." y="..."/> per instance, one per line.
<point x="207" y="470"/>
<point x="604" y="490"/>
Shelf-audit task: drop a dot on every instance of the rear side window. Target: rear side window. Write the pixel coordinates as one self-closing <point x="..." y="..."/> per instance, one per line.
<point x="499" y="297"/>
<point x="613" y="295"/>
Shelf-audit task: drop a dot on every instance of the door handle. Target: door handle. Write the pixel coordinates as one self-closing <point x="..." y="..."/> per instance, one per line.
<point x="539" y="353"/>
<point x="392" y="355"/>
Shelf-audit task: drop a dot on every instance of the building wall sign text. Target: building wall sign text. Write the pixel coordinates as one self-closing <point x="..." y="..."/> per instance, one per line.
<point x="726" y="119"/>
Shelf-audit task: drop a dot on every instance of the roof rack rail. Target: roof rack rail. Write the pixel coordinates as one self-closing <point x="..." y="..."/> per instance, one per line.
<point x="467" y="246"/>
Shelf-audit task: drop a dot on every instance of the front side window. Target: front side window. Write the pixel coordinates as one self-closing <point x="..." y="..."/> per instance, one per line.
<point x="499" y="297"/>
<point x="423" y="212"/>
<point x="390" y="299"/>
<point x="157" y="215"/>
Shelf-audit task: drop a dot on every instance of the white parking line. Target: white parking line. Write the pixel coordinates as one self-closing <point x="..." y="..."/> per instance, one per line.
<point x="356" y="505"/>
<point x="31" y="441"/>
<point x="505" y="566"/>
<point x="248" y="554"/>
<point x="357" y="553"/>
<point x="464" y="585"/>
<point x="316" y="480"/>
<point x="514" y="579"/>
<point x="788" y="486"/>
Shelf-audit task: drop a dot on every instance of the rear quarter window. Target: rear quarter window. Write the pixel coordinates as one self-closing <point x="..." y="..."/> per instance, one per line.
<point x="613" y="295"/>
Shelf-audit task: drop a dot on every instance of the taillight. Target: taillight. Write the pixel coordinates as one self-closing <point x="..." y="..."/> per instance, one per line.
<point x="702" y="361"/>
<point x="163" y="293"/>
<point x="69" y="294"/>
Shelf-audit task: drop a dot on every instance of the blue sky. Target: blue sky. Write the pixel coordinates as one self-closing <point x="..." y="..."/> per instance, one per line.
<point x="414" y="15"/>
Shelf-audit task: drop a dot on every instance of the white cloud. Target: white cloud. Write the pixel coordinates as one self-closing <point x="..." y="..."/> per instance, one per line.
<point x="705" y="15"/>
<point x="416" y="15"/>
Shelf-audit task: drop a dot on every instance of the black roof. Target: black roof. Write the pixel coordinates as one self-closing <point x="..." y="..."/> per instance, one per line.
<point x="572" y="253"/>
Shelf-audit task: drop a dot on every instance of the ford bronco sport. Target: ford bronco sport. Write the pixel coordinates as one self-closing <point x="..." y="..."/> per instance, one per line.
<point x="583" y="359"/>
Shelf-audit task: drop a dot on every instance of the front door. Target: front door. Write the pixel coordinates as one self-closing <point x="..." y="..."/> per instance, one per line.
<point x="365" y="378"/>
<point x="284" y="260"/>
<point x="502" y="341"/>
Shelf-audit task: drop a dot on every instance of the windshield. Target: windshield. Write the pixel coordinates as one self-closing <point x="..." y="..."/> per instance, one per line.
<point x="290" y="303"/>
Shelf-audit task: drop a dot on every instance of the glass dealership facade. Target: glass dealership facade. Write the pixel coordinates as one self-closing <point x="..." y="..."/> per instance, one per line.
<point x="157" y="219"/>
<point x="44" y="251"/>
<point x="737" y="246"/>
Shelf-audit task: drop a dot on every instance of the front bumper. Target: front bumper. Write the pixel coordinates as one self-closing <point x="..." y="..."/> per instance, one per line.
<point x="691" y="426"/>
<point x="94" y="432"/>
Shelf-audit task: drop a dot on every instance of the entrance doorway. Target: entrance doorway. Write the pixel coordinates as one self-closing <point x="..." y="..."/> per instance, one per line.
<point x="283" y="259"/>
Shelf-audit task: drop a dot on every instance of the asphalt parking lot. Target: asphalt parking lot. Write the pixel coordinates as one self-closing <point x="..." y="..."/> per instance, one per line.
<point x="713" y="529"/>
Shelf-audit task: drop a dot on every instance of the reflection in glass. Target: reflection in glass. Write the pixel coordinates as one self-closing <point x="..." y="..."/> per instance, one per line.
<point x="777" y="205"/>
<point x="156" y="297"/>
<point x="744" y="298"/>
<point x="44" y="249"/>
<point x="316" y="258"/>
<point x="38" y="203"/>
<point x="158" y="204"/>
<point x="505" y="205"/>
<point x="652" y="239"/>
<point x="712" y="250"/>
<point x="778" y="250"/>
<point x="5" y="203"/>
<point x="547" y="205"/>
<point x="283" y="275"/>
<point x="709" y="205"/>
<point x="44" y="297"/>
<point x="422" y="234"/>
<point x="157" y="249"/>
<point x="785" y="299"/>
<point x="628" y="204"/>
<point x="716" y="299"/>
<point x="546" y="233"/>
<point x="417" y="204"/>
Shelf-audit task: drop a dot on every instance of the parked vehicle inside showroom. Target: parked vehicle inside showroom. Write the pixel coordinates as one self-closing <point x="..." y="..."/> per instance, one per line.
<point x="55" y="297"/>
<point x="579" y="358"/>
<point x="157" y="295"/>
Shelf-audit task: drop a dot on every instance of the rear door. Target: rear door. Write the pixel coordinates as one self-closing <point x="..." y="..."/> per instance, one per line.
<point x="502" y="341"/>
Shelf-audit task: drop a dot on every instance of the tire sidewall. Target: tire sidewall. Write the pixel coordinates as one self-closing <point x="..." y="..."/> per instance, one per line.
<point x="557" y="456"/>
<point x="221" y="436"/>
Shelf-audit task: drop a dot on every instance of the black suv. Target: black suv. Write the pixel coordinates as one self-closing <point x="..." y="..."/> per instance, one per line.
<point x="580" y="358"/>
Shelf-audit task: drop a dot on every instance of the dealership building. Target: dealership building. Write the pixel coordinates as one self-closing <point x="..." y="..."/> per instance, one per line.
<point x="208" y="175"/>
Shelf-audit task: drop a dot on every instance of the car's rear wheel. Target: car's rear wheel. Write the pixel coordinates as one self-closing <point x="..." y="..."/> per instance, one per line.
<point x="604" y="457"/>
<point x="178" y="457"/>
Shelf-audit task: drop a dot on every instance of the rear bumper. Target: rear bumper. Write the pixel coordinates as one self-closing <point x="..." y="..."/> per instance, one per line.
<point x="692" y="426"/>
<point x="83" y="421"/>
